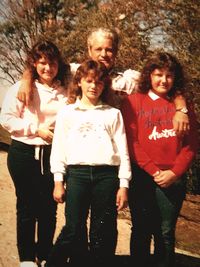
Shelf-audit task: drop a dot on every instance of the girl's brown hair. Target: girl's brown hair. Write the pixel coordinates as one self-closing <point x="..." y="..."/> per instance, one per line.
<point x="50" y="51"/>
<point x="159" y="60"/>
<point x="101" y="74"/>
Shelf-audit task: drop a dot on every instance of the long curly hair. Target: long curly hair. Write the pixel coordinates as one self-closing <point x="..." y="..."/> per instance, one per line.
<point x="50" y="51"/>
<point x="160" y="60"/>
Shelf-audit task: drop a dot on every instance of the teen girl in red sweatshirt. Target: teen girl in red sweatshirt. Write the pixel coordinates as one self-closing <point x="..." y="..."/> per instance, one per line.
<point x="159" y="157"/>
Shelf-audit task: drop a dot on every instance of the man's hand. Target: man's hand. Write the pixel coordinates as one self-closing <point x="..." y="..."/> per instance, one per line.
<point x="25" y="93"/>
<point x="59" y="192"/>
<point x="122" y="198"/>
<point x="181" y="123"/>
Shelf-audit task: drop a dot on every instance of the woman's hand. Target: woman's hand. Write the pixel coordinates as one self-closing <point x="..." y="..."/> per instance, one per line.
<point x="122" y="198"/>
<point x="45" y="134"/>
<point x="59" y="192"/>
<point x="165" y="178"/>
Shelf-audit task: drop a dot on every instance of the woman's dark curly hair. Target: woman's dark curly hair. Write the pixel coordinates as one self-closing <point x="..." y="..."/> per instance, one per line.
<point x="100" y="74"/>
<point x="50" y="51"/>
<point x="160" y="60"/>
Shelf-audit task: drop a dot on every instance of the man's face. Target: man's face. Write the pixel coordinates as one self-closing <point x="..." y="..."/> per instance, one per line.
<point x="102" y="50"/>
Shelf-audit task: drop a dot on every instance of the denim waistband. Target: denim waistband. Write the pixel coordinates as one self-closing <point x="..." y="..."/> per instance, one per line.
<point x="78" y="166"/>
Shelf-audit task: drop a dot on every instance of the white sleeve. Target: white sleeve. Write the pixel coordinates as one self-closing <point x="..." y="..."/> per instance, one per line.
<point x="74" y="67"/>
<point x="127" y="81"/>
<point x="58" y="156"/>
<point x="12" y="118"/>
<point x="119" y="136"/>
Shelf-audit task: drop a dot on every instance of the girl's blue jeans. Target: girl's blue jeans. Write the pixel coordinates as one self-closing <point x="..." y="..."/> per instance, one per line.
<point x="35" y="204"/>
<point x="90" y="191"/>
<point x="154" y="213"/>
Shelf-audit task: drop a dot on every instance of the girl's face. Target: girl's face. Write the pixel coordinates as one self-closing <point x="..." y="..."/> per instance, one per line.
<point x="91" y="88"/>
<point x="161" y="81"/>
<point x="47" y="70"/>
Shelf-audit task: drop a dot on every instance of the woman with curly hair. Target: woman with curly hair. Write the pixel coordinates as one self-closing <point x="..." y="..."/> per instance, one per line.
<point x="159" y="159"/>
<point x="31" y="128"/>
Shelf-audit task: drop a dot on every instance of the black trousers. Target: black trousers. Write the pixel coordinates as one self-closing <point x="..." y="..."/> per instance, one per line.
<point x="154" y="211"/>
<point x="89" y="188"/>
<point x="36" y="209"/>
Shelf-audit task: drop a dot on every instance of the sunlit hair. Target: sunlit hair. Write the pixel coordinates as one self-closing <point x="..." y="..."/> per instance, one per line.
<point x="100" y="74"/>
<point x="106" y="33"/>
<point x="160" y="60"/>
<point x="51" y="52"/>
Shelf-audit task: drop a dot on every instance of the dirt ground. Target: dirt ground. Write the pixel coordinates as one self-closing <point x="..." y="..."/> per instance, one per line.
<point x="188" y="228"/>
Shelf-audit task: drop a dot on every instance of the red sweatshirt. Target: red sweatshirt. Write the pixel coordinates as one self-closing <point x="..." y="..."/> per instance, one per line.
<point x="152" y="142"/>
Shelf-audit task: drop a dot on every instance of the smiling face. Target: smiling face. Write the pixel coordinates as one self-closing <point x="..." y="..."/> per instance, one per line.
<point x="91" y="88"/>
<point x="47" y="70"/>
<point x="102" y="50"/>
<point x="161" y="81"/>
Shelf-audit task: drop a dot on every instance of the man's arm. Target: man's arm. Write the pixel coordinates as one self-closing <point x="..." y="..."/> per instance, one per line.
<point x="181" y="120"/>
<point x="126" y="82"/>
<point x="25" y="92"/>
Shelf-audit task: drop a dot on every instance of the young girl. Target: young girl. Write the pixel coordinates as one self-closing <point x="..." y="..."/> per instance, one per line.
<point x="90" y="145"/>
<point x="160" y="159"/>
<point x="31" y="131"/>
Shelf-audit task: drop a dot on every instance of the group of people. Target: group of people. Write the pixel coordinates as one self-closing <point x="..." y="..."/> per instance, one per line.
<point x="99" y="141"/>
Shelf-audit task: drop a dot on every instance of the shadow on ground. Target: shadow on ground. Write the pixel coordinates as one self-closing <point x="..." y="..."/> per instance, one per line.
<point x="181" y="261"/>
<point x="187" y="261"/>
<point x="4" y="147"/>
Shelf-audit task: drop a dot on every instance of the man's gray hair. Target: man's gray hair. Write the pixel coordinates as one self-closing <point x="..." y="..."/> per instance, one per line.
<point x="105" y="32"/>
